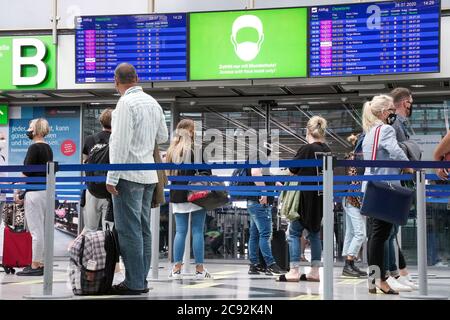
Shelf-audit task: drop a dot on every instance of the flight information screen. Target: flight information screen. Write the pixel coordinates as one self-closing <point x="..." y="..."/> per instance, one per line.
<point x="374" y="38"/>
<point x="155" y="44"/>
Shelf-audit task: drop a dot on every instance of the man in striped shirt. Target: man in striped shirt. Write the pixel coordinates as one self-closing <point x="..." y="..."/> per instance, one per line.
<point x="138" y="123"/>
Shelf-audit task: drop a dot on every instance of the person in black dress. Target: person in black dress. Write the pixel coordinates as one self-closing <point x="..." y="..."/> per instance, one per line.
<point x="310" y="207"/>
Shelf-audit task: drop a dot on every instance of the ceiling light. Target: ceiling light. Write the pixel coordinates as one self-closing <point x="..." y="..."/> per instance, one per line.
<point x="417" y="86"/>
<point x="29" y="96"/>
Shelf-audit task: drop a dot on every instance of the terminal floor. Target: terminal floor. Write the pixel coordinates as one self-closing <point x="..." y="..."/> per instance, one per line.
<point x="230" y="282"/>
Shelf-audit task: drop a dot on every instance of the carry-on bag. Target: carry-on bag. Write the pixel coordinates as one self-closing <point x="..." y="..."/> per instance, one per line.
<point x="93" y="258"/>
<point x="16" y="249"/>
<point x="384" y="200"/>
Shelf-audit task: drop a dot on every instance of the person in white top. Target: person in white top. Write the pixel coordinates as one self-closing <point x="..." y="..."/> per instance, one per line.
<point x="138" y="121"/>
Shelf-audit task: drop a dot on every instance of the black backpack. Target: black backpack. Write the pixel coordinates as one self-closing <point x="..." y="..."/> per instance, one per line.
<point x="99" y="154"/>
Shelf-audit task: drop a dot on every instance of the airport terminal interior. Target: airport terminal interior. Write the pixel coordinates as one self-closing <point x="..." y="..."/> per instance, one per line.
<point x="292" y="80"/>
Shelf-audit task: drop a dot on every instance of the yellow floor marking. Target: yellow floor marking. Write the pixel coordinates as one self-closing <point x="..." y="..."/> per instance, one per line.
<point x="306" y="297"/>
<point x="202" y="285"/>
<point x="36" y="281"/>
<point x="352" y="281"/>
<point x="220" y="277"/>
<point x="225" y="272"/>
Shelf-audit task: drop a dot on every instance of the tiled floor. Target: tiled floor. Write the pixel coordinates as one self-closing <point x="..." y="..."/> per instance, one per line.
<point x="230" y="282"/>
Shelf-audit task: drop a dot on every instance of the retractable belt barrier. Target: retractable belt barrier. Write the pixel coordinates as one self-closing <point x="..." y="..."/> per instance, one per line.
<point x="57" y="188"/>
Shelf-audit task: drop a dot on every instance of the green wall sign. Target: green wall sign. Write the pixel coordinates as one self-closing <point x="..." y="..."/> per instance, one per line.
<point x="3" y="114"/>
<point x="27" y="63"/>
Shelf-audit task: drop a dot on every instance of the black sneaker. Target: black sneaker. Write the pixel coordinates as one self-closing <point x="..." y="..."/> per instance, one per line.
<point x="360" y="272"/>
<point x="274" y="269"/>
<point x="28" y="271"/>
<point x="253" y="269"/>
<point x="122" y="289"/>
<point x="348" y="270"/>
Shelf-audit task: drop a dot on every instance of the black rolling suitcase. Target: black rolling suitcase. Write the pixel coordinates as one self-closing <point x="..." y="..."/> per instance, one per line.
<point x="280" y="248"/>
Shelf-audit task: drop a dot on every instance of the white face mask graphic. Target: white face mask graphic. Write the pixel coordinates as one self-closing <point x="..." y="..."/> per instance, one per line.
<point x="248" y="50"/>
<point x="2" y="144"/>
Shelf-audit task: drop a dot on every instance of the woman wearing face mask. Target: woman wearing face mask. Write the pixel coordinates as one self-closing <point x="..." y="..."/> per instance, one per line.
<point x="181" y="151"/>
<point x="39" y="152"/>
<point x="310" y="207"/>
<point x="378" y="116"/>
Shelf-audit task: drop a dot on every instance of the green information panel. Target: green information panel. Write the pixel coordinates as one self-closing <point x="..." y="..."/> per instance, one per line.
<point x="27" y="63"/>
<point x="248" y="44"/>
<point x="3" y="114"/>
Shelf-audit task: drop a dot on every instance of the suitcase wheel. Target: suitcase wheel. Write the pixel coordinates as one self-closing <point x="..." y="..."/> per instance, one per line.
<point x="13" y="271"/>
<point x="7" y="270"/>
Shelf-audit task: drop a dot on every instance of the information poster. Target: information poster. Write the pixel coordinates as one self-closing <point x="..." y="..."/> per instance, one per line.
<point x="64" y="136"/>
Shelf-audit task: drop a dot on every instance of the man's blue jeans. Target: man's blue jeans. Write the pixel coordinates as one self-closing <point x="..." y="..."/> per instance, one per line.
<point x="260" y="232"/>
<point x="295" y="232"/>
<point x="198" y="237"/>
<point x="132" y="220"/>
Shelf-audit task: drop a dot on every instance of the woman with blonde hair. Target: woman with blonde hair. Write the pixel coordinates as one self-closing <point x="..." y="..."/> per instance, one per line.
<point x="311" y="205"/>
<point x="39" y="152"/>
<point x="380" y="143"/>
<point x="181" y="151"/>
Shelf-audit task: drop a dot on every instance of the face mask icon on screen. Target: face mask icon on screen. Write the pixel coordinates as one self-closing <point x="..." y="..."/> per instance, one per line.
<point x="247" y="50"/>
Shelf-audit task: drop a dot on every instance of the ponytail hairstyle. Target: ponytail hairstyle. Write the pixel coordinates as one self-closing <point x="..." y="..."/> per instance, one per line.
<point x="180" y="148"/>
<point x="317" y="127"/>
<point x="372" y="111"/>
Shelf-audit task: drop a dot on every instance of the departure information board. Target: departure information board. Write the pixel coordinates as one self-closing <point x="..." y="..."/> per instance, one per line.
<point x="374" y="38"/>
<point x="155" y="44"/>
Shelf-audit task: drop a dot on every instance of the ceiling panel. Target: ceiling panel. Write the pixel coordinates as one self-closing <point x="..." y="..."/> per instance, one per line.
<point x="265" y="90"/>
<point x="28" y="95"/>
<point x="312" y="90"/>
<point x="212" y="91"/>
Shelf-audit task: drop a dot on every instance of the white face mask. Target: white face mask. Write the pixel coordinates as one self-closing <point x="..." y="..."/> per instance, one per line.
<point x="2" y="144"/>
<point x="247" y="51"/>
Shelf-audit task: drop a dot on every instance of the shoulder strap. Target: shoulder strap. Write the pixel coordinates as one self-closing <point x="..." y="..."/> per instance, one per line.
<point x="376" y="140"/>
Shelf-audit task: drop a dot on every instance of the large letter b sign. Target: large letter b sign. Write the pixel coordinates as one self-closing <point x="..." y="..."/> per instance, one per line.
<point x="36" y="60"/>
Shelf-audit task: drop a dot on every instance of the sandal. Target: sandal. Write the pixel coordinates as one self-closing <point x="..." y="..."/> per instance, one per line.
<point x="390" y="291"/>
<point x="282" y="278"/>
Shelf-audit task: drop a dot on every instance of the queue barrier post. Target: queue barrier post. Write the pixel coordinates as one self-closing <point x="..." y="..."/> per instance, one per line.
<point x="328" y="226"/>
<point x="49" y="222"/>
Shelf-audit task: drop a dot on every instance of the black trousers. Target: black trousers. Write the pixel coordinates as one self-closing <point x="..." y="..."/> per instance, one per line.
<point x="379" y="232"/>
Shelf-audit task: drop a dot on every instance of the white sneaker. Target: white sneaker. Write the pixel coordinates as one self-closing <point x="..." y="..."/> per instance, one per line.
<point x="175" y="274"/>
<point x="406" y="282"/>
<point x="203" y="275"/>
<point x="397" y="286"/>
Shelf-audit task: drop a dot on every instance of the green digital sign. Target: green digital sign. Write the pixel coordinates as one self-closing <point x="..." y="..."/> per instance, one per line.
<point x="27" y="63"/>
<point x="3" y="114"/>
<point x="248" y="44"/>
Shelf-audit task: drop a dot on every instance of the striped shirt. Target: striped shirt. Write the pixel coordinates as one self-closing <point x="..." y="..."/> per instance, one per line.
<point x="137" y="122"/>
